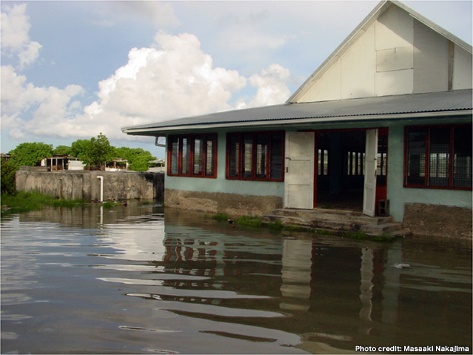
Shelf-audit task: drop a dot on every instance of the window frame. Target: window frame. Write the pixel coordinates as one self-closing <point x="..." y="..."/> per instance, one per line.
<point x="190" y="154"/>
<point x="425" y="163"/>
<point x="239" y="138"/>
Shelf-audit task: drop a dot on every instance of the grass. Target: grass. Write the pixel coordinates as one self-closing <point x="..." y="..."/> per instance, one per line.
<point x="23" y="201"/>
<point x="108" y="204"/>
<point x="221" y="217"/>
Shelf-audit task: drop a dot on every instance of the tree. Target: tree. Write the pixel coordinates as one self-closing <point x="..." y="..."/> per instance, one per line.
<point x="62" y="150"/>
<point x="8" y="177"/>
<point x="138" y="158"/>
<point x="79" y="146"/>
<point x="25" y="154"/>
<point x="30" y="154"/>
<point x="97" y="151"/>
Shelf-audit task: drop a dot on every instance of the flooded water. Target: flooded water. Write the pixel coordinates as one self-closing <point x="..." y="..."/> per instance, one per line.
<point x="133" y="280"/>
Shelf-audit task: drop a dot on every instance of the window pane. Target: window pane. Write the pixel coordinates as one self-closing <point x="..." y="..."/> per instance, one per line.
<point x="439" y="156"/>
<point x="261" y="155"/>
<point x="247" y="156"/>
<point x="174" y="146"/>
<point x="382" y="156"/>
<point x="185" y="156"/>
<point x="234" y="155"/>
<point x="197" y="156"/>
<point x="462" y="157"/>
<point x="416" y="156"/>
<point x="209" y="159"/>
<point x="276" y="162"/>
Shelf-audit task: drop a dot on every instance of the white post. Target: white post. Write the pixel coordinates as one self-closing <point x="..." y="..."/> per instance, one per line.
<point x="101" y="187"/>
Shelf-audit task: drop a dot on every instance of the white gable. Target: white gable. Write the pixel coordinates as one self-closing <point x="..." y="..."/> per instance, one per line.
<point x="392" y="52"/>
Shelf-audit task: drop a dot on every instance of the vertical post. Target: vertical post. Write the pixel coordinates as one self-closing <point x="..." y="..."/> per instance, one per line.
<point x="101" y="187"/>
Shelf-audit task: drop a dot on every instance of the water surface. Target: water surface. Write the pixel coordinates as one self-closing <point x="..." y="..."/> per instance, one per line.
<point x="133" y="280"/>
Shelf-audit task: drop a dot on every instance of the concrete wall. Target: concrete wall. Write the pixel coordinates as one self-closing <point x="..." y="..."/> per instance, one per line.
<point x="219" y="202"/>
<point x="438" y="221"/>
<point x="86" y="185"/>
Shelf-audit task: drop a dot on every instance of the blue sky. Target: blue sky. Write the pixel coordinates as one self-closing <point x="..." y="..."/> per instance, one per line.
<point x="73" y="69"/>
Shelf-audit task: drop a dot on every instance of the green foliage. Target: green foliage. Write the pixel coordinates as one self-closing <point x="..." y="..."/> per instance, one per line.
<point x="96" y="152"/>
<point x="221" y="217"/>
<point x="25" y="154"/>
<point x="138" y="158"/>
<point x="62" y="150"/>
<point x="249" y="221"/>
<point x="79" y="146"/>
<point x="275" y="226"/>
<point x="23" y="201"/>
<point x="110" y="204"/>
<point x="30" y="154"/>
<point x="8" y="177"/>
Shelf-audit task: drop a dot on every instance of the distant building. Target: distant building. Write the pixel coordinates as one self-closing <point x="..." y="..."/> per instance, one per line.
<point x="117" y="165"/>
<point x="157" y="166"/>
<point x="4" y="157"/>
<point x="62" y="162"/>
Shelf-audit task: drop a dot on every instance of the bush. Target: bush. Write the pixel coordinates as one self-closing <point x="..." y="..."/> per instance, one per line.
<point x="8" y="177"/>
<point x="25" y="201"/>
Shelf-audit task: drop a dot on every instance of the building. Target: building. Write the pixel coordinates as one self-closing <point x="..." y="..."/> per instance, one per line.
<point x="157" y="166"/>
<point x="384" y="124"/>
<point x="62" y="162"/>
<point x="117" y="165"/>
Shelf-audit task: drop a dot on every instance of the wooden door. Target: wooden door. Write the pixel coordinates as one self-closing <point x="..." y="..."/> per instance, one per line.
<point x="369" y="190"/>
<point x="299" y="177"/>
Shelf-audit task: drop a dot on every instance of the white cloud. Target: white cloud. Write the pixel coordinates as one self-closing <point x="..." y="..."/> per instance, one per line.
<point x="15" y="38"/>
<point x="271" y="86"/>
<point x="172" y="78"/>
<point x="30" y="109"/>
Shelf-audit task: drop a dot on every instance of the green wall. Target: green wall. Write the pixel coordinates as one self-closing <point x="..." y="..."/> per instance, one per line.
<point x="398" y="195"/>
<point x="220" y="184"/>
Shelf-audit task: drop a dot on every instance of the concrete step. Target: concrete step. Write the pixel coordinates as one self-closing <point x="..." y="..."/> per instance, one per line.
<point x="284" y="219"/>
<point x="381" y="228"/>
<point x="332" y="215"/>
<point x="337" y="220"/>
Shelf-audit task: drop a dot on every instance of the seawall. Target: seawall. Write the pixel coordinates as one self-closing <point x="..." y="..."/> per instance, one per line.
<point x="86" y="185"/>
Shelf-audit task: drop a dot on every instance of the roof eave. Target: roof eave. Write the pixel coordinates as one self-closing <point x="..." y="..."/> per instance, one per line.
<point x="153" y="131"/>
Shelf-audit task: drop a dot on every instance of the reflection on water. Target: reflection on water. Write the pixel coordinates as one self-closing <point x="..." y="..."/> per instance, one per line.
<point x="131" y="280"/>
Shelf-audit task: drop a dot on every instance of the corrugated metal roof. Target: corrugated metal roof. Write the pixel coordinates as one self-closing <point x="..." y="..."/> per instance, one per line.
<point x="384" y="107"/>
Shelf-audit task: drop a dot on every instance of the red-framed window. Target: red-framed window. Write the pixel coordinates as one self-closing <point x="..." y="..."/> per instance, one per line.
<point x="438" y="157"/>
<point x="255" y="156"/>
<point x="193" y="155"/>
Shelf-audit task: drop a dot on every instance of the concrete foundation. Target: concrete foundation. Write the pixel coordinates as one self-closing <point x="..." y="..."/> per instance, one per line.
<point x="86" y="185"/>
<point x="438" y="221"/>
<point x="217" y="202"/>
